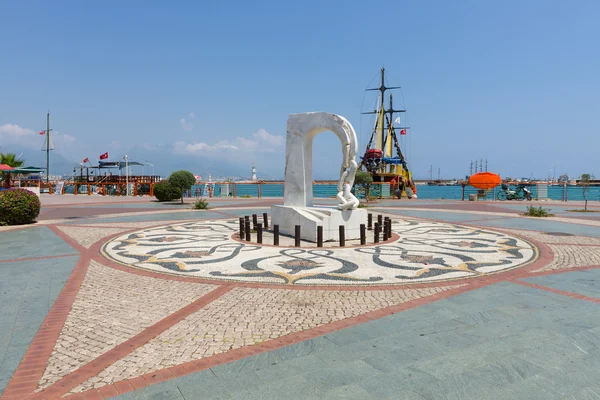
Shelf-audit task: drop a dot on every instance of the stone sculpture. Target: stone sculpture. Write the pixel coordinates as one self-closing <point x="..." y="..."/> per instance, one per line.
<point x="297" y="206"/>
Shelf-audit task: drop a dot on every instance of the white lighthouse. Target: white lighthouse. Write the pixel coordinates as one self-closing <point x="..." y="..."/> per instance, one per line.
<point x="254" y="173"/>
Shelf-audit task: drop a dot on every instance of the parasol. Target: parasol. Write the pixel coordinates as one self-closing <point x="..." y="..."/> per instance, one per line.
<point x="485" y="180"/>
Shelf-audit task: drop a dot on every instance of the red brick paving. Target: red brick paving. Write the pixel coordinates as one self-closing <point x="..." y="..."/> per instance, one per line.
<point x="75" y="212"/>
<point x="557" y="291"/>
<point x="91" y="369"/>
<point x="33" y="363"/>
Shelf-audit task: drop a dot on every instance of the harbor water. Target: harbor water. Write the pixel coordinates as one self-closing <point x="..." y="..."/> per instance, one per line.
<point x="454" y="192"/>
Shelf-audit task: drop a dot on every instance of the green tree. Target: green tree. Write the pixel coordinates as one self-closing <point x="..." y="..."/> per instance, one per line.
<point x="584" y="182"/>
<point x="365" y="179"/>
<point x="563" y="178"/>
<point x="11" y="160"/>
<point x="165" y="192"/>
<point x="182" y="181"/>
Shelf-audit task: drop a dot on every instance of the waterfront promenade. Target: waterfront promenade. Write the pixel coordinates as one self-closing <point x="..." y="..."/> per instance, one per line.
<point x="117" y="297"/>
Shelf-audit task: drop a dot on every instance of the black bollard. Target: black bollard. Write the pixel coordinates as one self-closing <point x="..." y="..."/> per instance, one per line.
<point x="380" y="220"/>
<point x="276" y="235"/>
<point x="390" y="228"/>
<point x="266" y="220"/>
<point x="319" y="236"/>
<point x="254" y="221"/>
<point x="297" y="236"/>
<point x="259" y="233"/>
<point x="386" y="221"/>
<point x="370" y="221"/>
<point x="376" y="233"/>
<point x="242" y="228"/>
<point x="342" y="236"/>
<point x="248" y="237"/>
<point x="363" y="235"/>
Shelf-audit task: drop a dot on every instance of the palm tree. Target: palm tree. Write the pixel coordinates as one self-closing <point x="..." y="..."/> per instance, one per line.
<point x="11" y="160"/>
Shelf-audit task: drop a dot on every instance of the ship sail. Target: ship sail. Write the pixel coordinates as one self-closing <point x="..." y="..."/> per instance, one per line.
<point x="45" y="145"/>
<point x="379" y="137"/>
<point x="388" y="141"/>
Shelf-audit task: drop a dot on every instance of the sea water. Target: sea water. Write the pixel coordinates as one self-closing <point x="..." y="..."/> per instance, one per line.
<point x="423" y="191"/>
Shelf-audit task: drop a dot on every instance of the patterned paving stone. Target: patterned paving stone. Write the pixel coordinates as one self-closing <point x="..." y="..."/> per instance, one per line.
<point x="87" y="236"/>
<point x="571" y="256"/>
<point x="544" y="237"/>
<point x="111" y="307"/>
<point x="129" y="225"/>
<point x="425" y="252"/>
<point x="248" y="316"/>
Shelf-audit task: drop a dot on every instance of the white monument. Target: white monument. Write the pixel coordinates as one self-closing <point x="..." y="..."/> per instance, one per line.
<point x="297" y="206"/>
<point x="254" y="179"/>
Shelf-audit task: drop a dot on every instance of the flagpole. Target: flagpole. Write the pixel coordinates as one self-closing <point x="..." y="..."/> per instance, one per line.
<point x="48" y="148"/>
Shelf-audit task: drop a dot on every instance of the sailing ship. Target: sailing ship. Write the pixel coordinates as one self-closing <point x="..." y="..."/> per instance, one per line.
<point x="379" y="158"/>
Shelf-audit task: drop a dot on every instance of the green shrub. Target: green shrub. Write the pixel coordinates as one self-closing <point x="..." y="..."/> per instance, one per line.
<point x="182" y="180"/>
<point x="163" y="191"/>
<point x="201" y="204"/>
<point x="245" y="196"/>
<point x="537" y="212"/>
<point x="18" y="206"/>
<point x="364" y="179"/>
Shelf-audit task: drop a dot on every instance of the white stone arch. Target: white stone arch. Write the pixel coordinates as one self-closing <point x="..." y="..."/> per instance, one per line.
<point x="301" y="131"/>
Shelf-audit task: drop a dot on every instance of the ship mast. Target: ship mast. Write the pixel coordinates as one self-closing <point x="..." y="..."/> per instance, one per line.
<point x="389" y="112"/>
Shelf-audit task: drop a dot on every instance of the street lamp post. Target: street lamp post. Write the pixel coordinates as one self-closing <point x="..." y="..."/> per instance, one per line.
<point x="126" y="176"/>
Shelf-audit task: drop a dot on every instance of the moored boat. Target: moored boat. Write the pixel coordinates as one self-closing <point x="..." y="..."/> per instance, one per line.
<point x="379" y="158"/>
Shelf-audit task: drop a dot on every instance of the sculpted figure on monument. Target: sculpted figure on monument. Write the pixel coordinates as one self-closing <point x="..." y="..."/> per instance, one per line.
<point x="347" y="200"/>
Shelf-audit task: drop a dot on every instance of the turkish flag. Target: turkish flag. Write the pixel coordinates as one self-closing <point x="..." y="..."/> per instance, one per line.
<point x="104" y="156"/>
<point x="403" y="132"/>
<point x="42" y="132"/>
<point x="86" y="160"/>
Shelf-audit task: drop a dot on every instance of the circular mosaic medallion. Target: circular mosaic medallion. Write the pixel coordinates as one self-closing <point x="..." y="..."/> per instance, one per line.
<point x="426" y="252"/>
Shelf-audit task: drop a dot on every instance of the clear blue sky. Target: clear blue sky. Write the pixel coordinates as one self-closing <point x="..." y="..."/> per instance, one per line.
<point x="515" y="82"/>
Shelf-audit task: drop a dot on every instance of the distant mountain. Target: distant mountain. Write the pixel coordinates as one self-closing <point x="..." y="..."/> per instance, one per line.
<point x="268" y="167"/>
<point x="59" y="165"/>
<point x="165" y="162"/>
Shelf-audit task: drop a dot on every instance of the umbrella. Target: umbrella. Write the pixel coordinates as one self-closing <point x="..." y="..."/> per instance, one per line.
<point x="484" y="180"/>
<point x="6" y="168"/>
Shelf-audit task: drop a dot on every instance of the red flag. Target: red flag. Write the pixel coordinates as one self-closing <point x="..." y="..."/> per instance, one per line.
<point x="403" y="132"/>
<point x="85" y="160"/>
<point x="104" y="156"/>
<point x="42" y="132"/>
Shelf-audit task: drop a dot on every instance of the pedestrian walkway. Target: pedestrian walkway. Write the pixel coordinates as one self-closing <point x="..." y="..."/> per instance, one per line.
<point x="466" y="301"/>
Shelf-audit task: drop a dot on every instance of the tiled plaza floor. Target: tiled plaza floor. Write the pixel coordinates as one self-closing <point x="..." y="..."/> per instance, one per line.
<point x="80" y="320"/>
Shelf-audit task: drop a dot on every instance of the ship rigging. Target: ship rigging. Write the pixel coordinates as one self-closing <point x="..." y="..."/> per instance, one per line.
<point x="379" y="159"/>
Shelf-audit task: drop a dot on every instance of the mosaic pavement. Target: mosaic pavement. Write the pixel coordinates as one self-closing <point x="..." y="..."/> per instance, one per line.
<point x="425" y="252"/>
<point x="148" y="300"/>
